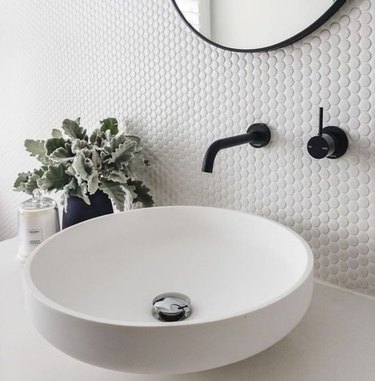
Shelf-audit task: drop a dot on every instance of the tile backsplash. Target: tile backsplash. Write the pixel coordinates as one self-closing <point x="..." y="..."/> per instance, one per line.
<point x="137" y="60"/>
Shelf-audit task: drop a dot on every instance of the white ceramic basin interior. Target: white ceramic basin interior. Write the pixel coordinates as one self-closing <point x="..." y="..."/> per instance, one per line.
<point x="89" y="288"/>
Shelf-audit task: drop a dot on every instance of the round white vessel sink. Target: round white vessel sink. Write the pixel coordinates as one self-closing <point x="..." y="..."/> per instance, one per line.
<point x="90" y="288"/>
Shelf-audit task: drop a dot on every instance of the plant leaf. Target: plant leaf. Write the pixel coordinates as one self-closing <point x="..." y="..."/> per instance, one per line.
<point x="22" y="178"/>
<point x="143" y="193"/>
<point x="136" y="163"/>
<point x="32" y="183"/>
<point x="95" y="159"/>
<point x="82" y="166"/>
<point x="93" y="183"/>
<point x="110" y="145"/>
<point x="75" y="189"/>
<point x="27" y="181"/>
<point x="78" y="144"/>
<point x="36" y="148"/>
<point x="61" y="155"/>
<point x="53" y="144"/>
<point x="117" y="177"/>
<point x="134" y="138"/>
<point x="81" y="192"/>
<point x="95" y="137"/>
<point x="110" y="124"/>
<point x="55" y="178"/>
<point x="123" y="154"/>
<point x="56" y="133"/>
<point x="74" y="130"/>
<point x="115" y="192"/>
<point x="72" y="185"/>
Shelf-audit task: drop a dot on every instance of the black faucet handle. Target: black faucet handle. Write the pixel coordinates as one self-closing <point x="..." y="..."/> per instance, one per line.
<point x="331" y="141"/>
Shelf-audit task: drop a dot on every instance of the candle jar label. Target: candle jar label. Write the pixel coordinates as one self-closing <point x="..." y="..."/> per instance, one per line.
<point x="35" y="236"/>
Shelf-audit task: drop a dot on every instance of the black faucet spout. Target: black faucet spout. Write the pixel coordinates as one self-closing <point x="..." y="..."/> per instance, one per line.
<point x="218" y="145"/>
<point x="258" y="135"/>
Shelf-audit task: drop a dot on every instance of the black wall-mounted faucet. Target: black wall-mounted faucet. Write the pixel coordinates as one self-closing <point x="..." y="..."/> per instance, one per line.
<point x="257" y="135"/>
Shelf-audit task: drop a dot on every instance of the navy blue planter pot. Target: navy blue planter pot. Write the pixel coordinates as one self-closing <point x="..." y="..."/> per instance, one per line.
<point x="78" y="211"/>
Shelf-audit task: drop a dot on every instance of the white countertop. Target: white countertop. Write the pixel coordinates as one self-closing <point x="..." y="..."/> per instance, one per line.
<point x="335" y="341"/>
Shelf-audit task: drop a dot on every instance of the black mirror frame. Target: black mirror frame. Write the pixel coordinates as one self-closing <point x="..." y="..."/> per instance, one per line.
<point x="299" y="36"/>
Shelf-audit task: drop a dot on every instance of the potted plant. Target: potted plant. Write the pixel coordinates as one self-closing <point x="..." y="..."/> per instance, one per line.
<point x="92" y="171"/>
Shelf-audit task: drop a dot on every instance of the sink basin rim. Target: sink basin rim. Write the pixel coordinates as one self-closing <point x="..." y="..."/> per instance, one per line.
<point x="36" y="293"/>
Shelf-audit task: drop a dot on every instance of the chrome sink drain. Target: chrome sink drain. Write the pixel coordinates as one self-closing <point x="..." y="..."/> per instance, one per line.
<point x="171" y="306"/>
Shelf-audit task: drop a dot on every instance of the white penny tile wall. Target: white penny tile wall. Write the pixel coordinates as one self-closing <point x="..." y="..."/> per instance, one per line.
<point x="136" y="60"/>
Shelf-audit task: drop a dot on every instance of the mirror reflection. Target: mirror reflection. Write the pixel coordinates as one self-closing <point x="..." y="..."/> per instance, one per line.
<point x="251" y="24"/>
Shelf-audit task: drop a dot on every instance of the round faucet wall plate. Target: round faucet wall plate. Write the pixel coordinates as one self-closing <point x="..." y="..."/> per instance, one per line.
<point x="341" y="141"/>
<point x="262" y="133"/>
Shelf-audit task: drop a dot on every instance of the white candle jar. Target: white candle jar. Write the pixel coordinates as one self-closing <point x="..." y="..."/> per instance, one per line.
<point x="38" y="219"/>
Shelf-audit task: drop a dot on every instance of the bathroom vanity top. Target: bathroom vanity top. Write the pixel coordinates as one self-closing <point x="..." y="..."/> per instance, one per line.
<point x="334" y="341"/>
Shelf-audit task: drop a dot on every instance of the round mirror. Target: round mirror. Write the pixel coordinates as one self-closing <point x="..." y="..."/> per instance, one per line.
<point x="255" y="25"/>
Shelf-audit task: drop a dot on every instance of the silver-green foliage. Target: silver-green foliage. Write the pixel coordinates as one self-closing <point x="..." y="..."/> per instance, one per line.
<point x="79" y="165"/>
